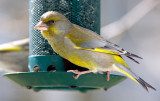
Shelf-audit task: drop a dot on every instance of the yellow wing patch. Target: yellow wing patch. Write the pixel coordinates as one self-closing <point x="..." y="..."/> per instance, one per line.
<point x="98" y="50"/>
<point x="11" y="49"/>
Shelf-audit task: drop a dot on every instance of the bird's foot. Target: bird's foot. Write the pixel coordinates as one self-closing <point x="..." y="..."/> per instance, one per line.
<point x="108" y="75"/>
<point x="79" y="72"/>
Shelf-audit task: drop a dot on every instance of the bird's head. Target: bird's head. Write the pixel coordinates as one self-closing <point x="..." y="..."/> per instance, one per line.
<point x="53" y="23"/>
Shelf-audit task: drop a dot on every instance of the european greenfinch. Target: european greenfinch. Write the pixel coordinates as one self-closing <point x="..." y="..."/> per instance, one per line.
<point x="85" y="48"/>
<point x="14" y="56"/>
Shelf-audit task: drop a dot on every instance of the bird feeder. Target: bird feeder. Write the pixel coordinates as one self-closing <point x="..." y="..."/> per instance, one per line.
<point x="48" y="69"/>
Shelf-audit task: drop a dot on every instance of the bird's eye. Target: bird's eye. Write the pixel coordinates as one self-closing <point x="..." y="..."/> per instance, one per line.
<point x="50" y="22"/>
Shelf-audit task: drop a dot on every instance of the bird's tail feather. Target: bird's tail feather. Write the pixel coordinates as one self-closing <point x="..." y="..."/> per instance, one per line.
<point x="132" y="55"/>
<point x="133" y="59"/>
<point x="133" y="76"/>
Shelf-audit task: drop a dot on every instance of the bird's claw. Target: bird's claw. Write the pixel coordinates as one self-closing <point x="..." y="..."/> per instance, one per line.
<point x="79" y="73"/>
<point x="75" y="72"/>
<point x="76" y="76"/>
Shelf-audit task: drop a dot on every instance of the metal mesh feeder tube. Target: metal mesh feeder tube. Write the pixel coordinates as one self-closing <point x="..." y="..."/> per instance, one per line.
<point x="85" y="13"/>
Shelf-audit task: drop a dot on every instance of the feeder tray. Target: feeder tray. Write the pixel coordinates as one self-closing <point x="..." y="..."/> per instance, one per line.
<point x="63" y="81"/>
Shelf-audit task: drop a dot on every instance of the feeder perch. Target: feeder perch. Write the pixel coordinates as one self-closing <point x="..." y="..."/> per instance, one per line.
<point x="47" y="69"/>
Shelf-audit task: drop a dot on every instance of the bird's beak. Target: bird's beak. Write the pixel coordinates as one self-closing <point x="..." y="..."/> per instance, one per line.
<point x="41" y="26"/>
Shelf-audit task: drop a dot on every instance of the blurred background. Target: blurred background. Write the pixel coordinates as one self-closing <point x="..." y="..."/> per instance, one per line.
<point x="142" y="39"/>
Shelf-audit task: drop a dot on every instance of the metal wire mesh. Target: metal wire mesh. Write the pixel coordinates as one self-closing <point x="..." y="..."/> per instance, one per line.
<point x="81" y="12"/>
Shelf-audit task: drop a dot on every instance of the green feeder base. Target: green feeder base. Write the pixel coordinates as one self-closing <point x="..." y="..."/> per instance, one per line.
<point x="63" y="81"/>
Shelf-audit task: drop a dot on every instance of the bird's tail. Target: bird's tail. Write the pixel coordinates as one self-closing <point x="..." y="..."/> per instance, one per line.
<point x="133" y="76"/>
<point x="130" y="55"/>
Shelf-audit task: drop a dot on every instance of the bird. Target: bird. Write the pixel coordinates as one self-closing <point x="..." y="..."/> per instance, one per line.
<point x="14" y="56"/>
<point x="86" y="48"/>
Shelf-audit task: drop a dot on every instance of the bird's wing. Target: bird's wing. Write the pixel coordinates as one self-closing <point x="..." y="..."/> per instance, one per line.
<point x="109" y="48"/>
<point x="88" y="40"/>
<point x="19" y="45"/>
